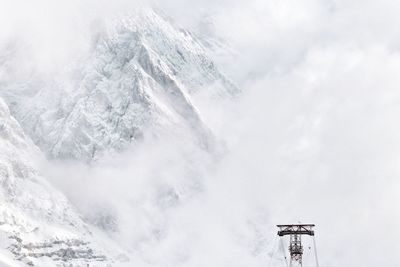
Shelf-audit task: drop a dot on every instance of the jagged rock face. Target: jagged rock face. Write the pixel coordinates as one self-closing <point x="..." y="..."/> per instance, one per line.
<point x="36" y="221"/>
<point x="18" y="175"/>
<point x="142" y="78"/>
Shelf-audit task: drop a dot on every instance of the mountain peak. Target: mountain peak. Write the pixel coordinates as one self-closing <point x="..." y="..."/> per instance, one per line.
<point x="142" y="77"/>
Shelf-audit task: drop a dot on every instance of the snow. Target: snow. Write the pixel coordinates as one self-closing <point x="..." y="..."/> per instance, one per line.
<point x="7" y="261"/>
<point x="142" y="77"/>
<point x="35" y="218"/>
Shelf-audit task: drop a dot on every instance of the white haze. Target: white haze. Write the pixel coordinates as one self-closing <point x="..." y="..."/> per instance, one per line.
<point x="313" y="138"/>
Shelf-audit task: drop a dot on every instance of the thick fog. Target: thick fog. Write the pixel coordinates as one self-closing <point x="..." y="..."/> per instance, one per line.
<point x="312" y="138"/>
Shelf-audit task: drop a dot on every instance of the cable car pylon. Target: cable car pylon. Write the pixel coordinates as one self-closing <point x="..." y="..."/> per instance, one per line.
<point x="295" y="232"/>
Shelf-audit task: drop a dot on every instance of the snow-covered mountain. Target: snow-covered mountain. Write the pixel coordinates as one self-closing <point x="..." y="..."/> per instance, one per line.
<point x="38" y="226"/>
<point x="142" y="77"/>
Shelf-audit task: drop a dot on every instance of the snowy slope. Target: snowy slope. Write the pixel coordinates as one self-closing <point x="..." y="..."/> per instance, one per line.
<point x="143" y="77"/>
<point x="38" y="226"/>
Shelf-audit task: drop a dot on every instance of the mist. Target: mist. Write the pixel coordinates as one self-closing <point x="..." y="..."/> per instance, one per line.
<point x="312" y="138"/>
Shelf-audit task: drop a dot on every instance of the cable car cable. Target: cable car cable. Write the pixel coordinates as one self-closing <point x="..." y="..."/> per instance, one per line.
<point x="273" y="251"/>
<point x="283" y="251"/>
<point x="315" y="252"/>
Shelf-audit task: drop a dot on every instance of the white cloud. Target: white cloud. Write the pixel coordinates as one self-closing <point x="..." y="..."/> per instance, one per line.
<point x="314" y="137"/>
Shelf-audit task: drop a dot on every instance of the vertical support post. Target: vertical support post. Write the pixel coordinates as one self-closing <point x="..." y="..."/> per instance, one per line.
<point x="295" y="231"/>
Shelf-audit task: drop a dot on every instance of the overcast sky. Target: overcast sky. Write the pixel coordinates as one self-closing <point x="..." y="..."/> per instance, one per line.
<point x="315" y="136"/>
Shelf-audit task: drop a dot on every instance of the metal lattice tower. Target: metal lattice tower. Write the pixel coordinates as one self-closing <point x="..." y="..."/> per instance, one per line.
<point x="295" y="231"/>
